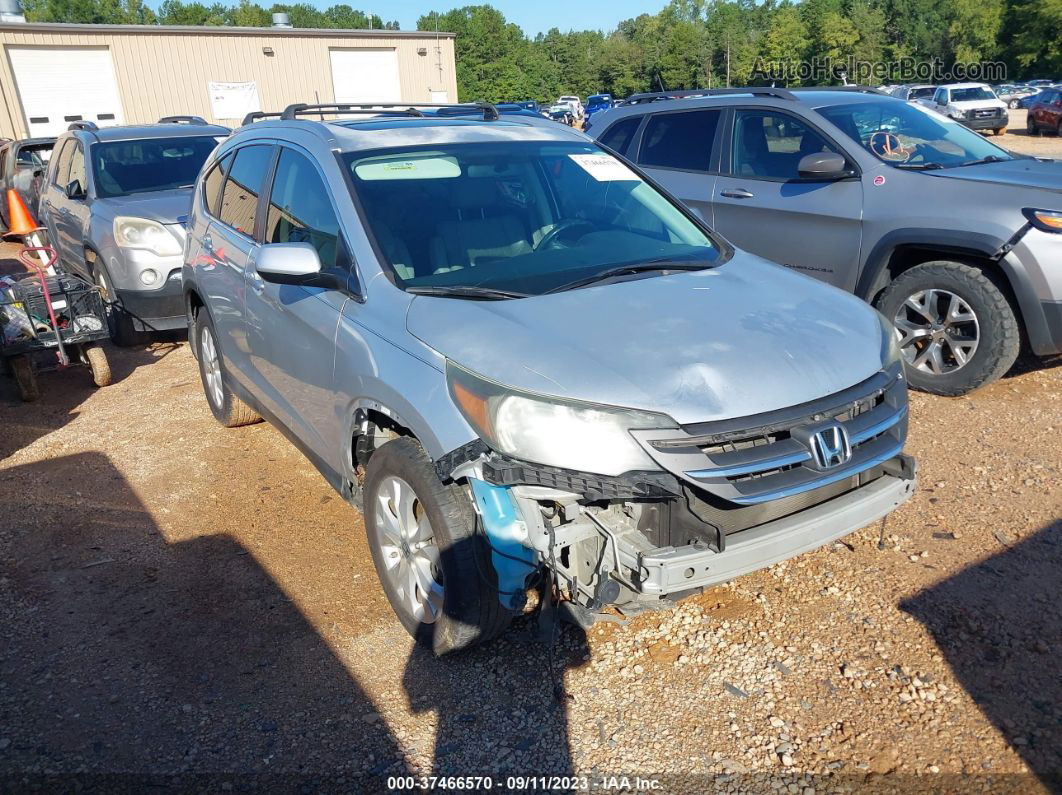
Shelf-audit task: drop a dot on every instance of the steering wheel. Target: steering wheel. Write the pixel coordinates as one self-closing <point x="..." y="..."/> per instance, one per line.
<point x="553" y="234"/>
<point x="888" y="146"/>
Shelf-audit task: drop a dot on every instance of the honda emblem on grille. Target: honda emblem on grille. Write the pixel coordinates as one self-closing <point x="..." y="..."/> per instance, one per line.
<point x="830" y="446"/>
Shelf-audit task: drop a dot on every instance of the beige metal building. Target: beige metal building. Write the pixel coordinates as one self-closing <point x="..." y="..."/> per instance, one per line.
<point x="52" y="74"/>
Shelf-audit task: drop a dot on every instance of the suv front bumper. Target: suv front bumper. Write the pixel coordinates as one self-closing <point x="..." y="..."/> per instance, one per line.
<point x="161" y="309"/>
<point x="671" y="570"/>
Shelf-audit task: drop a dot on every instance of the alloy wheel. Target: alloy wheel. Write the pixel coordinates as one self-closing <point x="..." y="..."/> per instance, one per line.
<point x="211" y="368"/>
<point x="937" y="330"/>
<point x="409" y="551"/>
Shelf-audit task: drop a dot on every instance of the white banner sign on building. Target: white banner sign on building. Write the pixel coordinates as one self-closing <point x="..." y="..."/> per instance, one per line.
<point x="233" y="100"/>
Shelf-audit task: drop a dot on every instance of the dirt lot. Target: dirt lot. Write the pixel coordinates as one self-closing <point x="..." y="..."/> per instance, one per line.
<point x="195" y="605"/>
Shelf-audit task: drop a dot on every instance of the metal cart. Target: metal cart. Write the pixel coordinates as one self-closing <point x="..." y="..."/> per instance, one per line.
<point x="50" y="321"/>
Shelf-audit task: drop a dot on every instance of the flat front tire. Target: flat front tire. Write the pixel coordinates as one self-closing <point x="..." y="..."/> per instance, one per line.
<point x="956" y="328"/>
<point x="432" y="563"/>
<point x="225" y="405"/>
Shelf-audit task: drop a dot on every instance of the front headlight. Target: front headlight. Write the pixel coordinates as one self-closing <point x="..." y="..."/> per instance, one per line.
<point x="568" y="434"/>
<point x="890" y="342"/>
<point x="145" y="234"/>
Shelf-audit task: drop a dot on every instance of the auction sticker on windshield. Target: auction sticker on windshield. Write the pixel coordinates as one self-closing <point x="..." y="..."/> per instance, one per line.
<point x="605" y="168"/>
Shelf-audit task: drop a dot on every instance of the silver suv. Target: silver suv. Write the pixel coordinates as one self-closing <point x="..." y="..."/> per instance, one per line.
<point x="531" y="365"/>
<point x="953" y="238"/>
<point x="114" y="202"/>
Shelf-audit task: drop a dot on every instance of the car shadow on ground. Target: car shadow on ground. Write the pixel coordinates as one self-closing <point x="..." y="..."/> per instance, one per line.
<point x="130" y="660"/>
<point x="1029" y="363"/>
<point x="999" y="626"/>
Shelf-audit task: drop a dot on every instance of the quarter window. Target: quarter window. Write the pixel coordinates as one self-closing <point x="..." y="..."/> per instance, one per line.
<point x="300" y="210"/>
<point x="770" y="145"/>
<point x="680" y="140"/>
<point x="212" y="185"/>
<point x="618" y="137"/>
<point x="77" y="168"/>
<point x="239" y="197"/>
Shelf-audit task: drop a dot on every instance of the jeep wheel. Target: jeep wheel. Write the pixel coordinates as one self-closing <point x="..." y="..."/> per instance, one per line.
<point x="432" y="563"/>
<point x="227" y="408"/>
<point x="956" y="328"/>
<point x="119" y="323"/>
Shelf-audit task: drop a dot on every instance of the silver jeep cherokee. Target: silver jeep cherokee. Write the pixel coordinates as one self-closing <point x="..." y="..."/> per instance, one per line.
<point x="529" y="364"/>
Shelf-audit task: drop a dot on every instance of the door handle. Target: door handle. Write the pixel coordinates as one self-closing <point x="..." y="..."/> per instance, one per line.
<point x="737" y="193"/>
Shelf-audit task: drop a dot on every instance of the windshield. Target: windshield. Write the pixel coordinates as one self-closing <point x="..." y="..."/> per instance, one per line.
<point x="971" y="94"/>
<point x="907" y="135"/>
<point x="149" y="164"/>
<point x="918" y="93"/>
<point x="525" y="217"/>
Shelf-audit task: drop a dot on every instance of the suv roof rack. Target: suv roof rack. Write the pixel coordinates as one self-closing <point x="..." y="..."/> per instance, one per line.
<point x="183" y="120"/>
<point x="855" y="89"/>
<point x="410" y="109"/>
<point x="756" y="91"/>
<point x="87" y="126"/>
<point x="256" y="115"/>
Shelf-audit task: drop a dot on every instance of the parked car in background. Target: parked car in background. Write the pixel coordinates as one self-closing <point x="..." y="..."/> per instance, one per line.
<point x="913" y="92"/>
<point x="1040" y="83"/>
<point x="438" y="312"/>
<point x="22" y="167"/>
<point x="954" y="239"/>
<point x="114" y="203"/>
<point x="972" y="104"/>
<point x="574" y="103"/>
<point x="1045" y="112"/>
<point x="1013" y="95"/>
<point x="561" y="112"/>
<point x="595" y="103"/>
<point x="1027" y="101"/>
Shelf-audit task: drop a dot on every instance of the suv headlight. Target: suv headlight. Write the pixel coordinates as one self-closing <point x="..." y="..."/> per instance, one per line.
<point x="545" y="430"/>
<point x="145" y="234"/>
<point x="890" y="342"/>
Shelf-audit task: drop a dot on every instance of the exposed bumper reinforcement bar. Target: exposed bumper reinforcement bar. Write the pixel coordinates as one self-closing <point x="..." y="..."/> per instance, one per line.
<point x="671" y="570"/>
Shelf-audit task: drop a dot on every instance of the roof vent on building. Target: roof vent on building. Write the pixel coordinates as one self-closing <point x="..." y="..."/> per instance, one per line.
<point x="11" y="11"/>
<point x="280" y="19"/>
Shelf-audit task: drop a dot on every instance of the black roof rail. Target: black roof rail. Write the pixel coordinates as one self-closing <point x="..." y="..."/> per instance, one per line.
<point x="411" y="109"/>
<point x="87" y="126"/>
<point x="254" y="116"/>
<point x="756" y="91"/>
<point x="183" y="120"/>
<point x="855" y="89"/>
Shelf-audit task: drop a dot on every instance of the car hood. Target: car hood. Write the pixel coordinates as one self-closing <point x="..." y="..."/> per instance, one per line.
<point x="740" y="339"/>
<point x="1022" y="172"/>
<point x="164" y="206"/>
<point x="978" y="104"/>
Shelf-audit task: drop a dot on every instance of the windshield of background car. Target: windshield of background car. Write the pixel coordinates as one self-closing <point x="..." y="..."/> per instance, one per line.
<point x="124" y="167"/>
<point x="903" y="134"/>
<point x="971" y="94"/>
<point x="522" y="216"/>
<point x="919" y="93"/>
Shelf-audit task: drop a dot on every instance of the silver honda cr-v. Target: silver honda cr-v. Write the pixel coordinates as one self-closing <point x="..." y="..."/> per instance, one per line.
<point x="530" y="366"/>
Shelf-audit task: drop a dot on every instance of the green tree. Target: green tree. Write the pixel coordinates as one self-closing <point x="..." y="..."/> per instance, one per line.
<point x="786" y="42"/>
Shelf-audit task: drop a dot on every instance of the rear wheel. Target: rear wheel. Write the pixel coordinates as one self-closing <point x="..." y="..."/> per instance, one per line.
<point x="433" y="565"/>
<point x="1030" y="124"/>
<point x="956" y="328"/>
<point x="98" y="364"/>
<point x="25" y="377"/>
<point x="227" y="407"/>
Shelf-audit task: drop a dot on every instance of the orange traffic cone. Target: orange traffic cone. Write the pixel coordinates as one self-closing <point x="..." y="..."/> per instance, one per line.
<point x="22" y="223"/>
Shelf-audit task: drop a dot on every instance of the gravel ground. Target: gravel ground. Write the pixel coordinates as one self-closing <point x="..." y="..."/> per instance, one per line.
<point x="193" y="607"/>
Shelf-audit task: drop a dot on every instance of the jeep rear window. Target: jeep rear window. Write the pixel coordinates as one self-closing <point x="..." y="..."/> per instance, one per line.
<point x="523" y="216"/>
<point x="148" y="164"/>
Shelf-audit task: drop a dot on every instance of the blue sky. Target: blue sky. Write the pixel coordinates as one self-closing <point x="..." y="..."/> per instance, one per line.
<point x="534" y="16"/>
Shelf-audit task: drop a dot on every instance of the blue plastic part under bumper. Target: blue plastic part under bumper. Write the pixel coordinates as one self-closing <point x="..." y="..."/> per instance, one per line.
<point x="513" y="561"/>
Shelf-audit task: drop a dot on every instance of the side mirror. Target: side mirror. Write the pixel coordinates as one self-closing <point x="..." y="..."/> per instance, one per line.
<point x="74" y="190"/>
<point x="823" y="165"/>
<point x="288" y="263"/>
<point x="942" y="102"/>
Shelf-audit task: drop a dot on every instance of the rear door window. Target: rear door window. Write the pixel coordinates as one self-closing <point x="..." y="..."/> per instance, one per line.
<point x="77" y="167"/>
<point x="246" y="178"/>
<point x="680" y="140"/>
<point x="300" y="208"/>
<point x="62" y="164"/>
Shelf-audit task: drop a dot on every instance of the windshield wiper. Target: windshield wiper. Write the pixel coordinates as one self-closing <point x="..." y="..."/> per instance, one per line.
<point x="919" y="166"/>
<point x="989" y="159"/>
<point x="465" y="291"/>
<point x="663" y="265"/>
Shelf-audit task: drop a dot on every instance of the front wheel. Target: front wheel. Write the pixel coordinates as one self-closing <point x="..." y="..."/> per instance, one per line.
<point x="433" y="565"/>
<point x="1030" y="125"/>
<point x="119" y="322"/>
<point x="956" y="328"/>
<point x="1012" y="104"/>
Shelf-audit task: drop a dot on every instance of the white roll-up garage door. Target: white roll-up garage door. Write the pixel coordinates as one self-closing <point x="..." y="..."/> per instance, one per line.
<point x="365" y="75"/>
<point x="58" y="85"/>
